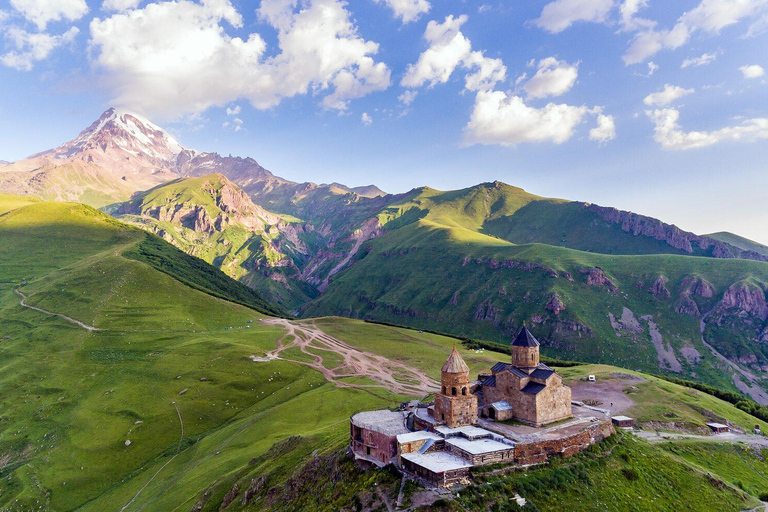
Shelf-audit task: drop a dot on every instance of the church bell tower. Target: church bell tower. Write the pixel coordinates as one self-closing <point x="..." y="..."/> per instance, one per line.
<point x="455" y="405"/>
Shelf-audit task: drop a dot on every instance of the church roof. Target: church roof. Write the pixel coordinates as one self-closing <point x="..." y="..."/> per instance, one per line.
<point x="490" y="381"/>
<point x="541" y="373"/>
<point x="525" y="339"/>
<point x="455" y="364"/>
<point x="533" y="388"/>
<point x="500" y="367"/>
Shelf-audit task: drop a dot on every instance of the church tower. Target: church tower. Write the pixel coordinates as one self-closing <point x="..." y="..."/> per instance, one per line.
<point x="455" y="404"/>
<point x="525" y="350"/>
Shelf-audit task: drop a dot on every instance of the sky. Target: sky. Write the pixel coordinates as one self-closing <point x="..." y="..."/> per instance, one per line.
<point x="651" y="106"/>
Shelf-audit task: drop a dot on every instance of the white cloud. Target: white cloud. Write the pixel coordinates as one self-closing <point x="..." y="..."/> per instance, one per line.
<point x="669" y="94"/>
<point x="234" y="110"/>
<point x="670" y="135"/>
<point x="449" y="49"/>
<point x="31" y="48"/>
<point x="408" y="10"/>
<point x="628" y="15"/>
<point x="488" y="72"/>
<point x="553" y="78"/>
<point x="753" y="71"/>
<point x="709" y="16"/>
<point x="171" y="58"/>
<point x="366" y="119"/>
<point x="508" y="121"/>
<point x="120" y="5"/>
<point x="703" y="60"/>
<point x="408" y="97"/>
<point x="41" y="12"/>
<point x="561" y="14"/>
<point x="605" y="129"/>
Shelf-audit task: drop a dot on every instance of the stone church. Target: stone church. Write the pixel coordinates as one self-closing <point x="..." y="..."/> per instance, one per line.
<point x="526" y="389"/>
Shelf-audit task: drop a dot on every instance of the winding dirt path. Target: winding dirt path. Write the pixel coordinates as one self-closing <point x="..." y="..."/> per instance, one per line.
<point x="394" y="376"/>
<point x="60" y="315"/>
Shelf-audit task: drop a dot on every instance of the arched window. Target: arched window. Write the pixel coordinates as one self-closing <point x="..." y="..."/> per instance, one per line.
<point x="464" y="391"/>
<point x="453" y="391"/>
<point x="443" y="389"/>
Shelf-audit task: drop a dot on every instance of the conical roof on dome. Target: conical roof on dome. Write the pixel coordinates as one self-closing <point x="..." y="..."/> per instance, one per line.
<point x="525" y="339"/>
<point x="455" y="363"/>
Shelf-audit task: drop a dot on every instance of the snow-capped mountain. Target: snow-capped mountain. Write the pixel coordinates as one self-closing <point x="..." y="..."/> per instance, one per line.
<point x="122" y="153"/>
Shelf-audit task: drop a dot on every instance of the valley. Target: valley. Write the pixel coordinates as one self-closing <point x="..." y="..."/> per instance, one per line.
<point x="137" y="375"/>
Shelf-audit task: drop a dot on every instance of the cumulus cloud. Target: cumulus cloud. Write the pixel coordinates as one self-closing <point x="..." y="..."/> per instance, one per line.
<point x="670" y="135"/>
<point x="366" y="119"/>
<point x="508" y="121"/>
<point x="666" y="96"/>
<point x="710" y="16"/>
<point x="449" y="49"/>
<point x="408" y="10"/>
<point x="234" y="110"/>
<point x="553" y="78"/>
<point x="561" y="14"/>
<point x="32" y="47"/>
<point x="172" y="58"/>
<point x="408" y="97"/>
<point x="41" y="12"/>
<point x="605" y="129"/>
<point x="753" y="71"/>
<point x="703" y="60"/>
<point x="120" y="5"/>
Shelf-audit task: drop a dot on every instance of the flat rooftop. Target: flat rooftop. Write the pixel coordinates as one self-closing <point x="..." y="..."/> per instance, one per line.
<point x="621" y="418"/>
<point x="383" y="421"/>
<point x="717" y="425"/>
<point x="437" y="462"/>
<point x="416" y="436"/>
<point x="469" y="431"/>
<point x="479" y="446"/>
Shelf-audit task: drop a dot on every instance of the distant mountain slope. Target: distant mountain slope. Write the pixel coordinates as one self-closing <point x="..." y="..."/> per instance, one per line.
<point x="436" y="271"/>
<point x="739" y="241"/>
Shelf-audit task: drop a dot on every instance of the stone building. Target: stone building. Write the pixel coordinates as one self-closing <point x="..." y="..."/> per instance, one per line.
<point x="455" y="404"/>
<point x="534" y="391"/>
<point x="373" y="435"/>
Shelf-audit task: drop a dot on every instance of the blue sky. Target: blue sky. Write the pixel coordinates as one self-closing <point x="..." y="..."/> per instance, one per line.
<point x="558" y="97"/>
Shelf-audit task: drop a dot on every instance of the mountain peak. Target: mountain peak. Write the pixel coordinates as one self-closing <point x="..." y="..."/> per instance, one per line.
<point x="123" y="130"/>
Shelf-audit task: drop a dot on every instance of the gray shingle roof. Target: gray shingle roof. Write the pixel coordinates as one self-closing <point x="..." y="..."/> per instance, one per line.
<point x="455" y="364"/>
<point x="525" y="339"/>
<point x="533" y="388"/>
<point x="541" y="373"/>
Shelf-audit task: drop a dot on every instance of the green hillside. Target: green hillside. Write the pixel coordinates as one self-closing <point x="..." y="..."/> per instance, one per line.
<point x="452" y="279"/>
<point x="740" y="242"/>
<point x="152" y="400"/>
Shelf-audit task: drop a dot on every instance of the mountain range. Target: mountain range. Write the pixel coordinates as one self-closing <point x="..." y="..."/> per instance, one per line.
<point x="596" y="283"/>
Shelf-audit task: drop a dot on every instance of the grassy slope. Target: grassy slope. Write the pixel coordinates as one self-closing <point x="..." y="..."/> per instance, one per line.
<point x="71" y="398"/>
<point x="410" y="276"/>
<point x="740" y="242"/>
<point x="234" y="248"/>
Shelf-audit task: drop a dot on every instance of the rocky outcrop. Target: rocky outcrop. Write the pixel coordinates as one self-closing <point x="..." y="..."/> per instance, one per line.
<point x="487" y="312"/>
<point x="640" y="225"/>
<point x="659" y="289"/>
<point x="746" y="299"/>
<point x="596" y="277"/>
<point x="555" y="304"/>
<point x="695" y="285"/>
<point x="526" y="266"/>
<point x="685" y="305"/>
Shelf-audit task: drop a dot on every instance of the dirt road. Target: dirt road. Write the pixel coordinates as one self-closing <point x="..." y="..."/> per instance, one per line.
<point x="65" y="317"/>
<point x="396" y="377"/>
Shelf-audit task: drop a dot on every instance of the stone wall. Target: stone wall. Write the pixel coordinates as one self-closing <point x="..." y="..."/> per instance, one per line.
<point x="456" y="411"/>
<point x="372" y="445"/>
<point x="484" y="458"/>
<point x="540" y="451"/>
<point x="553" y="403"/>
